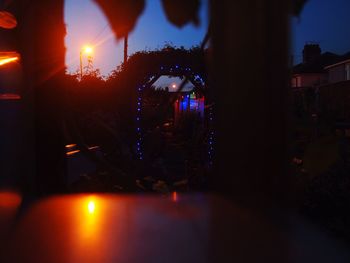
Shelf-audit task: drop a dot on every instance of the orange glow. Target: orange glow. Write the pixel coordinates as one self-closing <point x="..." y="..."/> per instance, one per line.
<point x="7" y="20"/>
<point x="91" y="207"/>
<point x="72" y="152"/>
<point x="174" y="196"/>
<point x="70" y="146"/>
<point x="6" y="60"/>
<point x="68" y="232"/>
<point x="9" y="96"/>
<point x="173" y="86"/>
<point x="9" y="199"/>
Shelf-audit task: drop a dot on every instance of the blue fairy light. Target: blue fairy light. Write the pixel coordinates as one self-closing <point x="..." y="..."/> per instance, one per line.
<point x="211" y="138"/>
<point x="164" y="69"/>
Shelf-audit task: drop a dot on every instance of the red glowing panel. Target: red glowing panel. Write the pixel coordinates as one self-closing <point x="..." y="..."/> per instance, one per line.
<point x="175" y="196"/>
<point x="9" y="199"/>
<point x="9" y="96"/>
<point x="7" y="20"/>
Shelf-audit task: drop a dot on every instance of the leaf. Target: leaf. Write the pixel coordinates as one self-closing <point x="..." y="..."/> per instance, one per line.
<point x="181" y="12"/>
<point x="298" y="6"/>
<point x="122" y="14"/>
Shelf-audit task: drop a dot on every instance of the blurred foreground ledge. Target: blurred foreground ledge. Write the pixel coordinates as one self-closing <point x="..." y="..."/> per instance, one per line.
<point x="153" y="228"/>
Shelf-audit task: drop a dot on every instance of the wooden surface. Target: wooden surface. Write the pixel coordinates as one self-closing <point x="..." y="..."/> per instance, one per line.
<point x="146" y="228"/>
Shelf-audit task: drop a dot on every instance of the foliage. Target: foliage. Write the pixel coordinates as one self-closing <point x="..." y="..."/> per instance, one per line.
<point x="298" y="6"/>
<point x="181" y="12"/>
<point x="142" y="64"/>
<point x="327" y="200"/>
<point x="105" y="109"/>
<point x="320" y="155"/>
<point x="123" y="14"/>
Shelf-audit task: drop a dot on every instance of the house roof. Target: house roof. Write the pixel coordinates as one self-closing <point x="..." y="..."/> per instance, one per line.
<point x="318" y="64"/>
<point x="337" y="64"/>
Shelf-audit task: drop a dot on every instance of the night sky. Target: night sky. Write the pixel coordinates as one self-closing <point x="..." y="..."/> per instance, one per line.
<point x="326" y="22"/>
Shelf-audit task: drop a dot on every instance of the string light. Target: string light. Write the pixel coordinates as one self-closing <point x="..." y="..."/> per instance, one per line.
<point x="211" y="137"/>
<point x="139" y="148"/>
<point x="138" y="124"/>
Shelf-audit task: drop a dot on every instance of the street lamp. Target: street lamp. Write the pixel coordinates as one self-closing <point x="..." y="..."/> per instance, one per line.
<point x="87" y="50"/>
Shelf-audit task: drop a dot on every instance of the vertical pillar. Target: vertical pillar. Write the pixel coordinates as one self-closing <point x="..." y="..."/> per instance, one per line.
<point x="250" y="72"/>
<point x="41" y="32"/>
<point x="126" y="49"/>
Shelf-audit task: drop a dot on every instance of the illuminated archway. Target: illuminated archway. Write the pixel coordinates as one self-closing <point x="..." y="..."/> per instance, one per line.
<point x="199" y="85"/>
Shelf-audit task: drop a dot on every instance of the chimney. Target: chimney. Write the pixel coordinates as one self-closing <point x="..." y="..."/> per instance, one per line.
<point x="311" y="52"/>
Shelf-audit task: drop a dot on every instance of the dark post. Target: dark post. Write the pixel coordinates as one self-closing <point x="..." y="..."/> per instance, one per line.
<point x="41" y="32"/>
<point x="81" y="64"/>
<point x="250" y="73"/>
<point x="250" y="76"/>
<point x="126" y="49"/>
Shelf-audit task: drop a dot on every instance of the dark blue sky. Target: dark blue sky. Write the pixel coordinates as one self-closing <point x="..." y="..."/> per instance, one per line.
<point x="326" y="22"/>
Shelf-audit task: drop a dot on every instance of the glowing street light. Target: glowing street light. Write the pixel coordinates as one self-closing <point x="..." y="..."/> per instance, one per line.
<point x="173" y="86"/>
<point x="87" y="50"/>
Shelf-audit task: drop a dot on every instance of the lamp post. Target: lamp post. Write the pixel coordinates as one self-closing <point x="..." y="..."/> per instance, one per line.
<point x="87" y="50"/>
<point x="126" y="49"/>
<point x="81" y="65"/>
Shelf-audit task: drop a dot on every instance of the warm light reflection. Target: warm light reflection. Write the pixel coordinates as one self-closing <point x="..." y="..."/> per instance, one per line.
<point x="6" y="60"/>
<point x="9" y="96"/>
<point x="72" y="152"/>
<point x="68" y="231"/>
<point x="89" y="218"/>
<point x="91" y="207"/>
<point x="173" y="86"/>
<point x="174" y="196"/>
<point x="10" y="199"/>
